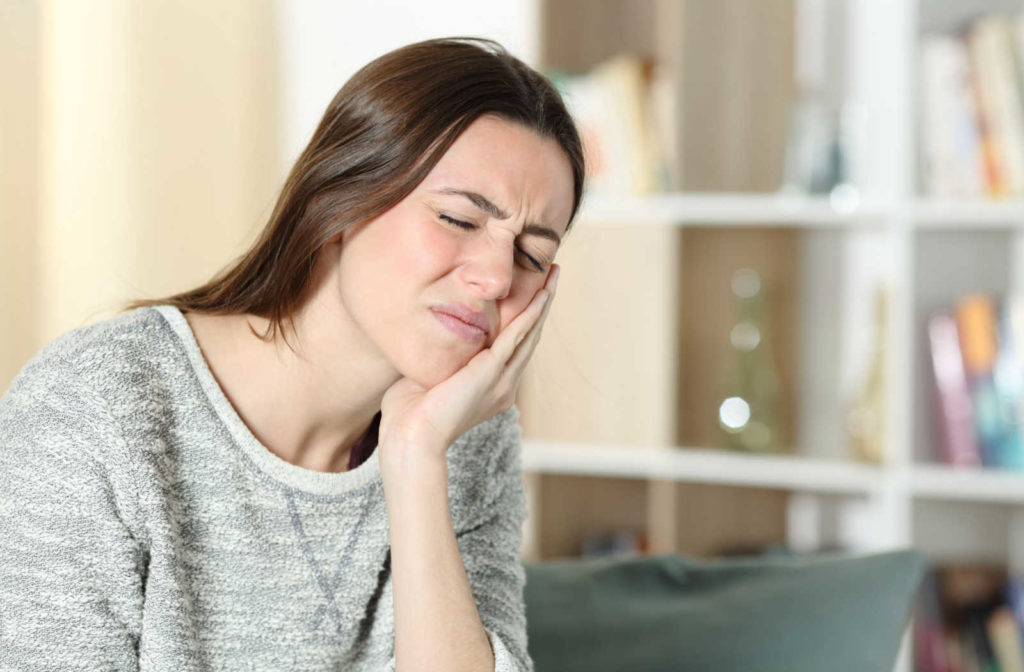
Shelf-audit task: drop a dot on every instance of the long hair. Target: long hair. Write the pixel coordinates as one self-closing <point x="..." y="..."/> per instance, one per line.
<point x="380" y="136"/>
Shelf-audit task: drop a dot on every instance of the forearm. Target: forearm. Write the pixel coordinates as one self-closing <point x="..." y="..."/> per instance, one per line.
<point x="437" y="626"/>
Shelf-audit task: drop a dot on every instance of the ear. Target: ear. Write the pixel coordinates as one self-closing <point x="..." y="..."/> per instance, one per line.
<point x="336" y="238"/>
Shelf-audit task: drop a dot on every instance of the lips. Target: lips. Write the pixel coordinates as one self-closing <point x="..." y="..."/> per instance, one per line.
<point x="464" y="314"/>
<point x="462" y="330"/>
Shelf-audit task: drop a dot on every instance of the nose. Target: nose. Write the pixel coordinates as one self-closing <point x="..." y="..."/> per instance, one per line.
<point x="490" y="269"/>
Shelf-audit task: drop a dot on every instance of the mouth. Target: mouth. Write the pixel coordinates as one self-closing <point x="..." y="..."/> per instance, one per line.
<point x="463" y="330"/>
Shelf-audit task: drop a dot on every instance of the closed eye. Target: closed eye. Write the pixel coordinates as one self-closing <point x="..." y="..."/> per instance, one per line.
<point x="470" y="226"/>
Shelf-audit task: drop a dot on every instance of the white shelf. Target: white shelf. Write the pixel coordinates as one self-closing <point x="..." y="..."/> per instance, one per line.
<point x="770" y="209"/>
<point x="936" y="214"/>
<point x="699" y="465"/>
<point x="941" y="482"/>
<point x="784" y="472"/>
<point x="728" y="209"/>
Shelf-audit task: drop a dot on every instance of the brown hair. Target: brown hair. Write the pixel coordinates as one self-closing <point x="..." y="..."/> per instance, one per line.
<point x="382" y="133"/>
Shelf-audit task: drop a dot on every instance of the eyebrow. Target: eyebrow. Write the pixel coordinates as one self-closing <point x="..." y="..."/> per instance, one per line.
<point x="485" y="204"/>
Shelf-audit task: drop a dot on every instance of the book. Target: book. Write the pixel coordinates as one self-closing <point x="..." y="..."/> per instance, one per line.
<point x="970" y="594"/>
<point x="612" y="107"/>
<point x="961" y="620"/>
<point x="955" y="652"/>
<point x="1008" y="379"/>
<point x="1004" y="633"/>
<point x="992" y="42"/>
<point x="931" y="647"/>
<point x="952" y="398"/>
<point x="977" y="640"/>
<point x="976" y="324"/>
<point x="971" y="88"/>
<point x="951" y="155"/>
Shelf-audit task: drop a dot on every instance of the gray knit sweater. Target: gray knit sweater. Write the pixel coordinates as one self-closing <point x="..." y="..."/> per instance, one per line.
<point x="144" y="527"/>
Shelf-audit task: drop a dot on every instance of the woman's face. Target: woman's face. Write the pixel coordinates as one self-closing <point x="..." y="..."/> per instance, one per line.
<point x="472" y="233"/>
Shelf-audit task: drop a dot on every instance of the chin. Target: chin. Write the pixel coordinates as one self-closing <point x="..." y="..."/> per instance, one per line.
<point x="429" y="371"/>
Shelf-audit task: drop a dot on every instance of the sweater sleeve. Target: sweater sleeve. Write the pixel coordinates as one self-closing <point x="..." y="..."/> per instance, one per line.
<point x="71" y="571"/>
<point x="490" y="550"/>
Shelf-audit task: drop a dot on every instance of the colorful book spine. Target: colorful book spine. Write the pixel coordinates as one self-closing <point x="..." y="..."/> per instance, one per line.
<point x="969" y="618"/>
<point x="996" y="34"/>
<point x="952" y="160"/>
<point x="1015" y="599"/>
<point x="952" y="394"/>
<point x="977" y="640"/>
<point x="982" y="45"/>
<point x="1008" y="378"/>
<point x="976" y="323"/>
<point x="1004" y="633"/>
<point x="931" y="645"/>
<point x="972" y="109"/>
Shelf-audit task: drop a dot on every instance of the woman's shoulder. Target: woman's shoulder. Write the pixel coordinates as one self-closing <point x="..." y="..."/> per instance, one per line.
<point x="61" y="420"/>
<point x="117" y="351"/>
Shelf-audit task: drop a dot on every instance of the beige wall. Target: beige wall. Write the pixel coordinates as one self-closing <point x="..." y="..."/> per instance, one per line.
<point x="145" y="154"/>
<point x="19" y="133"/>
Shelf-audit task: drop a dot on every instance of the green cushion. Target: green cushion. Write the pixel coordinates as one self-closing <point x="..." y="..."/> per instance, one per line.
<point x="670" y="612"/>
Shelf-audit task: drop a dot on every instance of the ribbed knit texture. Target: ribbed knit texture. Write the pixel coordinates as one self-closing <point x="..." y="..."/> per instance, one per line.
<point x="144" y="527"/>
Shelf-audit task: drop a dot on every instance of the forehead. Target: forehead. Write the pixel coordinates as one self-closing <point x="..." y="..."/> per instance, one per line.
<point x="523" y="173"/>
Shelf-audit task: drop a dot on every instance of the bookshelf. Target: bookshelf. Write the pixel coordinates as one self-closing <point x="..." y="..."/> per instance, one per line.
<point x="722" y="210"/>
<point x="927" y="252"/>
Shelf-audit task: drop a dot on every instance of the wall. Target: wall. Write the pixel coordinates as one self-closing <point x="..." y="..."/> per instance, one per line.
<point x="156" y="160"/>
<point x="19" y="137"/>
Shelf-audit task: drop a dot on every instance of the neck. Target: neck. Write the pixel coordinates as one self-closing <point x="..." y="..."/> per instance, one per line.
<point x="312" y="406"/>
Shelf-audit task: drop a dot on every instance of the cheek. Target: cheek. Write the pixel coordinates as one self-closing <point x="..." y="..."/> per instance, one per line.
<point x="427" y="249"/>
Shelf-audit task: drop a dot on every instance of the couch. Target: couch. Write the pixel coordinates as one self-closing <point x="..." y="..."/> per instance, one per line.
<point x="830" y="613"/>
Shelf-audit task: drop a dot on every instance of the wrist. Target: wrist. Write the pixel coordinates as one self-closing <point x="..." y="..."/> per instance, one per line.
<point x="406" y="463"/>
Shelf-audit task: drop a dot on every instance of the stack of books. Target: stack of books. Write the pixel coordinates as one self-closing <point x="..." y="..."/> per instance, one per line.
<point x="624" y="109"/>
<point x="976" y="349"/>
<point x="969" y="618"/>
<point x="972" y="110"/>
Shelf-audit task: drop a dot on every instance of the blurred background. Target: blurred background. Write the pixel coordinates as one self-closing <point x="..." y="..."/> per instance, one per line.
<point x="789" y="320"/>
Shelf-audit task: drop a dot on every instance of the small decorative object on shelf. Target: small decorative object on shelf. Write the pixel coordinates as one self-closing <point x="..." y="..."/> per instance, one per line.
<point x="749" y="413"/>
<point x="820" y="147"/>
<point x="865" y="419"/>
<point x="617" y="542"/>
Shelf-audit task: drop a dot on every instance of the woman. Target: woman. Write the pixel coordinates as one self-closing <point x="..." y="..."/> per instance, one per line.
<point x="312" y="461"/>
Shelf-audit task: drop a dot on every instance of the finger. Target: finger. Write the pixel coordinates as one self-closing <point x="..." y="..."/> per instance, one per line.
<point x="512" y="336"/>
<point x="521" y="357"/>
<point x="535" y="330"/>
